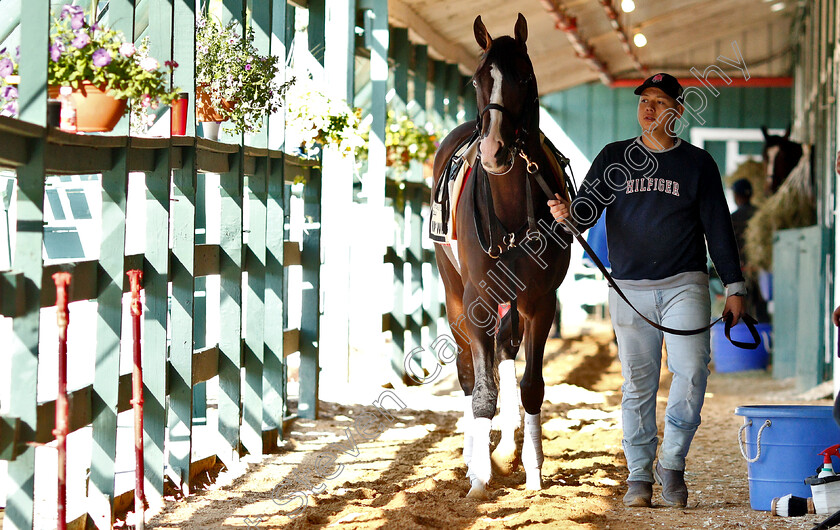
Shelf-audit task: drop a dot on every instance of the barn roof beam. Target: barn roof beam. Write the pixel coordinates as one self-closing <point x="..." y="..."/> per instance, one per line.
<point x="583" y="49"/>
<point x="403" y="15"/>
<point x="612" y="15"/>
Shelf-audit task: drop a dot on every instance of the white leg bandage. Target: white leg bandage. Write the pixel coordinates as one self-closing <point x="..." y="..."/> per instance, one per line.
<point x="468" y="430"/>
<point x="480" y="462"/>
<point x="532" y="455"/>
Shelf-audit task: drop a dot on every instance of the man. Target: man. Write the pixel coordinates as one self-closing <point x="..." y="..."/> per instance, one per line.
<point x="664" y="201"/>
<point x="754" y="304"/>
<point x="742" y="190"/>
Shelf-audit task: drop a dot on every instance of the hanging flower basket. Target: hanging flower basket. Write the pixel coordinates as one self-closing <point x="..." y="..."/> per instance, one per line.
<point x="239" y="83"/>
<point x="205" y="111"/>
<point x="96" y="111"/>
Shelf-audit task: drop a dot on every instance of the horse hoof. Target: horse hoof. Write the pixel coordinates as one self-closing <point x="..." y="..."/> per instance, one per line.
<point x="478" y="491"/>
<point x="504" y="459"/>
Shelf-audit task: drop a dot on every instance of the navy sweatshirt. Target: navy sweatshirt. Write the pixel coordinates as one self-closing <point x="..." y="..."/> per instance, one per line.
<point x="661" y="207"/>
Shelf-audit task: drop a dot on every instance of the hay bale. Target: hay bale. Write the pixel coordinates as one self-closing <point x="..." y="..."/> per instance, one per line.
<point x="755" y="173"/>
<point x="792" y="206"/>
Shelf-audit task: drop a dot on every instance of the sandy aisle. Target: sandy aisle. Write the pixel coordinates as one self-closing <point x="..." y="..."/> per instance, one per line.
<point x="412" y="475"/>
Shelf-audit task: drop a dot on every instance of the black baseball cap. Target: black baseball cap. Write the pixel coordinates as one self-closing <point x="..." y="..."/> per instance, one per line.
<point x="664" y="82"/>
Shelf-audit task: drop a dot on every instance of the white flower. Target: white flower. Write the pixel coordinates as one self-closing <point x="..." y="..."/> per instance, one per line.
<point x="149" y="64"/>
<point x="127" y="49"/>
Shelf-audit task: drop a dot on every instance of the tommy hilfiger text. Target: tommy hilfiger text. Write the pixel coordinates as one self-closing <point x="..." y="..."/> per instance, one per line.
<point x="653" y="184"/>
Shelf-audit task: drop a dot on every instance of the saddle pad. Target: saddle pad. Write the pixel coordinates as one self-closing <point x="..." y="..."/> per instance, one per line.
<point x="441" y="227"/>
<point x="456" y="189"/>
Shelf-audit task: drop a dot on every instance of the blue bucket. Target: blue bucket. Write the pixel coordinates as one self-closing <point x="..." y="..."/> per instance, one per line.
<point x="730" y="358"/>
<point x="784" y="441"/>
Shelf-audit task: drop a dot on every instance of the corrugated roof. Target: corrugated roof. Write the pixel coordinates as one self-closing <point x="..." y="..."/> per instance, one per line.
<point x="681" y="34"/>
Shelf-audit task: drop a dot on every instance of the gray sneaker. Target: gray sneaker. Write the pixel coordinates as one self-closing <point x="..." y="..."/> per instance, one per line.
<point x="639" y="494"/>
<point x="674" y="490"/>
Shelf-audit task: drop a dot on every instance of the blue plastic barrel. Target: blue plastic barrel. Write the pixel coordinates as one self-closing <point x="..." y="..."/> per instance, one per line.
<point x="730" y="358"/>
<point x="789" y="446"/>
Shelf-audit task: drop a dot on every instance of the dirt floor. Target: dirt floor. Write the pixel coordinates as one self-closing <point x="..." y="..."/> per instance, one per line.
<point x="412" y="475"/>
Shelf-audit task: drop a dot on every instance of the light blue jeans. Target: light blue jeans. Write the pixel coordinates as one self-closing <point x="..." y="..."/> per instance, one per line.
<point x="640" y="354"/>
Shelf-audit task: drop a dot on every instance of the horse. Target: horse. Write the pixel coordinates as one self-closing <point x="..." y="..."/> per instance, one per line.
<point x="780" y="156"/>
<point x="504" y="259"/>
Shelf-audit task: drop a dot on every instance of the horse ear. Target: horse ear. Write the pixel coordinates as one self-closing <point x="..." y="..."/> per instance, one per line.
<point x="521" y="30"/>
<point x="765" y="132"/>
<point x="787" y="132"/>
<point x="482" y="37"/>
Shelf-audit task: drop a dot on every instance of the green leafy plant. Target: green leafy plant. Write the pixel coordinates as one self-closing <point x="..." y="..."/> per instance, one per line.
<point x="314" y="119"/>
<point x="406" y="141"/>
<point x="82" y="52"/>
<point x="241" y="83"/>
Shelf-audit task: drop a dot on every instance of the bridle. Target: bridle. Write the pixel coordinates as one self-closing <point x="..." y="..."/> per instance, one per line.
<point x="517" y="148"/>
<point x="498" y="243"/>
<point x="520" y="134"/>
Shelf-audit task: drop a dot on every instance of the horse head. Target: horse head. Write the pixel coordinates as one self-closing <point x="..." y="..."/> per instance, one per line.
<point x="506" y="91"/>
<point x="780" y="156"/>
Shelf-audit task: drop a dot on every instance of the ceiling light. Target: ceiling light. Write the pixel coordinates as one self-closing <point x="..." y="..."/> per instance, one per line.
<point x="777" y="7"/>
<point x="628" y="5"/>
<point x="639" y="40"/>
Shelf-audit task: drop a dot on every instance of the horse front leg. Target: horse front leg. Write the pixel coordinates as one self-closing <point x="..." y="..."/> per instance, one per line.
<point x="457" y="324"/>
<point x="504" y="456"/>
<point x="481" y="319"/>
<point x="532" y="390"/>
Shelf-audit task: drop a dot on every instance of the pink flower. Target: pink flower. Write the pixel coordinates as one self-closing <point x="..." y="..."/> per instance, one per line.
<point x="101" y="57"/>
<point x="76" y="14"/>
<point x="6" y="67"/>
<point x="56" y="50"/>
<point x="127" y="49"/>
<point x="82" y="39"/>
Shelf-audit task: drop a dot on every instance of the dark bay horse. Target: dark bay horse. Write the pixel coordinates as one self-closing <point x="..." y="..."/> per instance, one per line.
<point x="510" y="252"/>
<point x="780" y="156"/>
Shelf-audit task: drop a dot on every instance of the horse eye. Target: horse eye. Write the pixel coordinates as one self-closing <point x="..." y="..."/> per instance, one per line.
<point x="475" y="84"/>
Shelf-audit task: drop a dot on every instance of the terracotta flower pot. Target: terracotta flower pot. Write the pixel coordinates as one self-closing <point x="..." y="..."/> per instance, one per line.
<point x="96" y="111"/>
<point x="204" y="109"/>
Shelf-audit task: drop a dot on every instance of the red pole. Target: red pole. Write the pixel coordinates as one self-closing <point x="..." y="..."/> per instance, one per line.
<point x="62" y="406"/>
<point x="134" y="277"/>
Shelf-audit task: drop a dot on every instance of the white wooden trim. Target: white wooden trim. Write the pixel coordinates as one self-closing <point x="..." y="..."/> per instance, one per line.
<point x="732" y="137"/>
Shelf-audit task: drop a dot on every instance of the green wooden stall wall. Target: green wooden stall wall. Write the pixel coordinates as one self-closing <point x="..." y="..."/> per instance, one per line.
<point x="594" y="115"/>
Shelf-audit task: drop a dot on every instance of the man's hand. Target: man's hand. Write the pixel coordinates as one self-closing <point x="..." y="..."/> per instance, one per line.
<point x="735" y="307"/>
<point x="559" y="208"/>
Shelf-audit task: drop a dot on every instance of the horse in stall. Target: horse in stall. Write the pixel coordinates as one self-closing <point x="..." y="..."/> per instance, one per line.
<point x="504" y="259"/>
<point x="780" y="156"/>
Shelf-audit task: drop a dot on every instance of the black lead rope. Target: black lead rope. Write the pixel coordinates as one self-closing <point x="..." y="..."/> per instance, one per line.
<point x="748" y="320"/>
